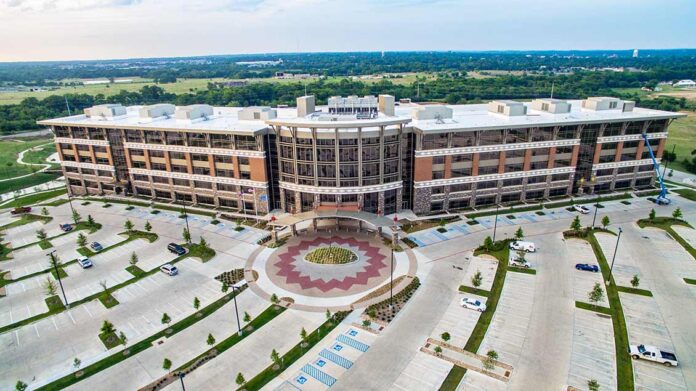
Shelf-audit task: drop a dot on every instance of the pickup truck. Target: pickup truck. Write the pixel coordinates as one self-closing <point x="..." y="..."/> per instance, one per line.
<point x="652" y="353"/>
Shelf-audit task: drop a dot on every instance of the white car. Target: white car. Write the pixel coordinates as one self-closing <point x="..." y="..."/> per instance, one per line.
<point x="520" y="263"/>
<point x="169" y="269"/>
<point x="582" y="209"/>
<point x="472" y="304"/>
<point x="85" y="262"/>
<point x="520" y="245"/>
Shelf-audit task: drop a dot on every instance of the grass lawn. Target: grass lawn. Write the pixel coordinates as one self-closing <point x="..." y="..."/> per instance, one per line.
<point x="682" y="133"/>
<point x="30" y="181"/>
<point x="107" y="300"/>
<point x="689" y="194"/>
<point x="135" y="271"/>
<point x="196" y="250"/>
<point x="690" y="281"/>
<point x="635" y="291"/>
<point x="474" y="291"/>
<point x="45" y="244"/>
<point x="595" y="308"/>
<point x="501" y="252"/>
<point x="32" y="199"/>
<point x="524" y="270"/>
<point x="26" y="219"/>
<point x="54" y="303"/>
<point x="9" y="150"/>
<point x="149" y="236"/>
<point x="62" y="273"/>
<point x="110" y="340"/>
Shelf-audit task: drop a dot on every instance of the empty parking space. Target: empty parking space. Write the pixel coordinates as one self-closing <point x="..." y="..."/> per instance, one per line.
<point x="24" y="299"/>
<point x="593" y="354"/>
<point x="23" y="234"/>
<point x="484" y="264"/>
<point x="458" y="321"/>
<point x="424" y="372"/>
<point x="580" y="251"/>
<point x="625" y="262"/>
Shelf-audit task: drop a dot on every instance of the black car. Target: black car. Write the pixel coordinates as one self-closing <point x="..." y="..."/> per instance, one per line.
<point x="587" y="267"/>
<point x="66" y="227"/>
<point x="176" y="249"/>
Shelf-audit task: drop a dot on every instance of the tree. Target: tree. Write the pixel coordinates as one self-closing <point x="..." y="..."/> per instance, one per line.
<point x="128" y="225"/>
<point x="328" y="314"/>
<point x="593" y="385"/>
<point x="677" y="214"/>
<point x="438" y="350"/>
<point x="133" y="258"/>
<point x="225" y="287"/>
<point x="107" y="327"/>
<point x="477" y="279"/>
<point x="635" y="281"/>
<point x="576" y="225"/>
<point x="41" y="234"/>
<point x="165" y="318"/>
<point x="76" y="363"/>
<point x="196" y="303"/>
<point x="76" y="217"/>
<point x="211" y="340"/>
<point x="240" y="380"/>
<point x="166" y="364"/>
<point x="274" y="299"/>
<point x="247" y="317"/>
<point x="50" y="287"/>
<point x="123" y="338"/>
<point x="54" y="263"/>
<point x="596" y="294"/>
<point x="489" y="361"/>
<point x="90" y="221"/>
<point x="366" y="322"/>
<point x="81" y="240"/>
<point x="103" y="285"/>
<point x="203" y="243"/>
<point x="44" y="211"/>
<point x="651" y="216"/>
<point x="519" y="234"/>
<point x="303" y="335"/>
<point x="445" y="336"/>
<point x="21" y="386"/>
<point x="186" y="235"/>
<point x="148" y="226"/>
<point x="488" y="243"/>
<point x="275" y="357"/>
<point x="605" y="222"/>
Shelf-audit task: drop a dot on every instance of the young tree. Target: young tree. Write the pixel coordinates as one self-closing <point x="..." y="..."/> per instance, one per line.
<point x="148" y="226"/>
<point x="635" y="281"/>
<point x="438" y="350"/>
<point x="81" y="240"/>
<point x="366" y="322"/>
<point x="519" y="234"/>
<point x="274" y="299"/>
<point x="240" y="380"/>
<point x="76" y="217"/>
<point x="54" y="263"/>
<point x="593" y="385"/>
<point x="102" y="283"/>
<point x="677" y="214"/>
<point x="477" y="279"/>
<point x="186" y="235"/>
<point x="488" y="243"/>
<point x="489" y="361"/>
<point x="50" y="287"/>
<point x="123" y="338"/>
<point x="303" y="335"/>
<point x="165" y="318"/>
<point x="211" y="340"/>
<point x="107" y="327"/>
<point x="44" y="211"/>
<point x="133" y="258"/>
<point x="21" y="386"/>
<point x="328" y="314"/>
<point x="76" y="363"/>
<point x="196" y="303"/>
<point x="247" y="317"/>
<point x="166" y="364"/>
<point x="203" y="243"/>
<point x="596" y="294"/>
<point x="275" y="357"/>
<point x="576" y="225"/>
<point x="445" y="336"/>
<point x="128" y="225"/>
<point x="605" y="222"/>
<point x="651" y="216"/>
<point x="90" y="221"/>
<point x="41" y="234"/>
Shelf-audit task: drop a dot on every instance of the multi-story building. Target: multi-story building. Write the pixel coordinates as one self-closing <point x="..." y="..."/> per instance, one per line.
<point x="364" y="154"/>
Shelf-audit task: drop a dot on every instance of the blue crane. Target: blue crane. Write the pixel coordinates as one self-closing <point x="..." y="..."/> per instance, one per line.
<point x="662" y="198"/>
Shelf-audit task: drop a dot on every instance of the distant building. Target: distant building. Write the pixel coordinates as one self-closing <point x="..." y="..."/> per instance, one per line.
<point x="234" y="83"/>
<point x="685" y="83"/>
<point x="635" y="53"/>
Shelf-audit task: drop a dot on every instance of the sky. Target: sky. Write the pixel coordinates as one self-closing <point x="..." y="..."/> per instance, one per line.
<point x="38" y="30"/>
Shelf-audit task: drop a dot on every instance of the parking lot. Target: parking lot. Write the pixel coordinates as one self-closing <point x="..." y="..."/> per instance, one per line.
<point x="593" y="355"/>
<point x="424" y="372"/>
<point x="24" y="299"/>
<point x="580" y="251"/>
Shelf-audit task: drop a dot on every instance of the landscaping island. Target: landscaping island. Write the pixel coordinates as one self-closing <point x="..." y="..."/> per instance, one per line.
<point x="331" y="256"/>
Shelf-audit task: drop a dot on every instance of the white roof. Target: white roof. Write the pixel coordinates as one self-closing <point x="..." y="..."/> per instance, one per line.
<point x="465" y="117"/>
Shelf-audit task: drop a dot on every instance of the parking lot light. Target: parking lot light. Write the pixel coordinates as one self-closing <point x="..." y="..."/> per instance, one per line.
<point x="181" y="378"/>
<point x="495" y="224"/>
<point x="595" y="214"/>
<point x="236" y="309"/>
<point x="611" y="268"/>
<point x="60" y="282"/>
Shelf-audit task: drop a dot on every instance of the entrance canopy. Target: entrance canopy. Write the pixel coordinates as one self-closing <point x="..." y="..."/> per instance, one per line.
<point x="369" y="218"/>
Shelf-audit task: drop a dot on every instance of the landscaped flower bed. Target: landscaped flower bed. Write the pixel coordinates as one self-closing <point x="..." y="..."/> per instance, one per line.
<point x="384" y="312"/>
<point x="231" y="277"/>
<point x="331" y="255"/>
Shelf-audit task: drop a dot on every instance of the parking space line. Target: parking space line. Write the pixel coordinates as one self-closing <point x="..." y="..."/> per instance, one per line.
<point x="16" y="333"/>
<point x="71" y="317"/>
<point x="133" y="328"/>
<point x="29" y="311"/>
<point x="54" y="323"/>
<point x="88" y="311"/>
<point x="36" y="329"/>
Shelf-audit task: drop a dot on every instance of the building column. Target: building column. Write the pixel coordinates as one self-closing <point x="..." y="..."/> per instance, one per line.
<point x="597" y="154"/>
<point x="501" y="162"/>
<point x="552" y="157"/>
<point x="619" y="150"/>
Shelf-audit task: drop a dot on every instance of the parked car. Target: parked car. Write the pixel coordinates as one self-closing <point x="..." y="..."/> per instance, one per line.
<point x="520" y="245"/>
<point x="96" y="246"/>
<point x="85" y="262"/>
<point x="520" y="263"/>
<point x="472" y="304"/>
<point x="582" y="209"/>
<point x="66" y="227"/>
<point x="176" y="249"/>
<point x="587" y="267"/>
<point x="652" y="353"/>
<point x="169" y="269"/>
<point x="21" y="210"/>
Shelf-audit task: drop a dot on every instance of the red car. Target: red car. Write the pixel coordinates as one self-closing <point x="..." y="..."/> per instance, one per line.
<point x="22" y="210"/>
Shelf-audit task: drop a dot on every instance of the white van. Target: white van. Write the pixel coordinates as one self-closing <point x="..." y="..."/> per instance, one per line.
<point x="520" y="245"/>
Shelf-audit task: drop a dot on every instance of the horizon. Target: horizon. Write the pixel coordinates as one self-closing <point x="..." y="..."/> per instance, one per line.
<point x="64" y="30"/>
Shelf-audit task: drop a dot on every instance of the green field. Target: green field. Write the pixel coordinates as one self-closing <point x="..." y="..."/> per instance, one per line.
<point x="9" y="149"/>
<point x="682" y="134"/>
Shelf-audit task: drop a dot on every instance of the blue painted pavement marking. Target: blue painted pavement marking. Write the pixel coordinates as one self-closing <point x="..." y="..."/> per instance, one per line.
<point x="335" y="358"/>
<point x="352" y="343"/>
<point x="319" y="375"/>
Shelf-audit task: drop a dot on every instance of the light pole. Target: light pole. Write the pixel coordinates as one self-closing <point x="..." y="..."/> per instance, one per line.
<point x="275" y="233"/>
<point x="236" y="310"/>
<point x="181" y="378"/>
<point x="495" y="224"/>
<point x="60" y="282"/>
<point x="596" y="206"/>
<point x="72" y="210"/>
<point x="611" y="268"/>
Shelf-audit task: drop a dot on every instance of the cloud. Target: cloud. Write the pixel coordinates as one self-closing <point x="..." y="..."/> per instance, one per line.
<point x="65" y="5"/>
